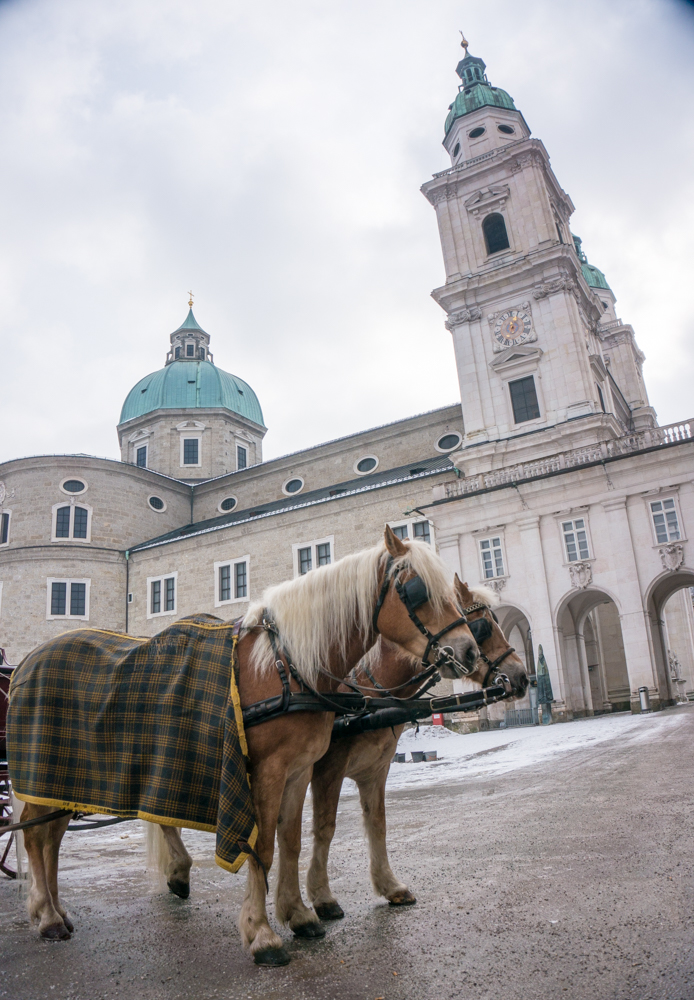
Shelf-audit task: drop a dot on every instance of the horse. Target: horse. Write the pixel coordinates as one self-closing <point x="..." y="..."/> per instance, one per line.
<point x="366" y="757"/>
<point x="319" y="626"/>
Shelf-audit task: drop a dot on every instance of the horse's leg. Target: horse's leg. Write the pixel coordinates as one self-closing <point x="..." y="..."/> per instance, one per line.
<point x="179" y="862"/>
<point x="372" y="792"/>
<point x="289" y="906"/>
<point x="328" y="775"/>
<point x="42" y="846"/>
<point x="267" y="782"/>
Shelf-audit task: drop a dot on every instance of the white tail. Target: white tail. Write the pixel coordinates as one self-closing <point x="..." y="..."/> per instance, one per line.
<point x="22" y="859"/>
<point x="157" y="851"/>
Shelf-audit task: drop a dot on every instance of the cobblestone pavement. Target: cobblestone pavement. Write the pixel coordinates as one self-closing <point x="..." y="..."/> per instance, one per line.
<point x="570" y="876"/>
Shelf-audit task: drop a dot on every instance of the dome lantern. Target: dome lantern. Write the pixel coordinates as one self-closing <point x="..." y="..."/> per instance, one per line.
<point x="189" y="342"/>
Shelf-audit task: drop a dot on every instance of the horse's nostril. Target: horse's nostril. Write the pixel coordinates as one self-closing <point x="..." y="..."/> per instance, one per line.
<point x="471" y="655"/>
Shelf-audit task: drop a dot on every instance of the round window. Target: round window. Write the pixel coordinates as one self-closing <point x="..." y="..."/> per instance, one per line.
<point x="228" y="503"/>
<point x="293" y="486"/>
<point x="448" y="442"/>
<point x="156" y="503"/>
<point x="456" y="149"/>
<point x="477" y="132"/>
<point x="73" y="486"/>
<point x="366" y="464"/>
<point x="506" y="129"/>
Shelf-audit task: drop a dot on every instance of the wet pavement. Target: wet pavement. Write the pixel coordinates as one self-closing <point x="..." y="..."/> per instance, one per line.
<point x="569" y="874"/>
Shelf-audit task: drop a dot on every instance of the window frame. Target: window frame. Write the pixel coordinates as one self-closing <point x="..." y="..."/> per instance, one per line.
<point x="291" y="480"/>
<point x="572" y="517"/>
<point x="161" y="578"/>
<point x="232" y="563"/>
<point x="495" y="253"/>
<point x="157" y="510"/>
<point x="447" y="451"/>
<point x="530" y="420"/>
<point x="369" y="472"/>
<point x="409" y="523"/>
<point x="228" y="496"/>
<point x="245" y="449"/>
<point x="68" y="582"/>
<point x="191" y="436"/>
<point x="3" y="511"/>
<point x="138" y="448"/>
<point x="71" y="536"/>
<point x="67" y="479"/>
<point x="490" y="537"/>
<point x="662" y="498"/>
<point x="313" y="545"/>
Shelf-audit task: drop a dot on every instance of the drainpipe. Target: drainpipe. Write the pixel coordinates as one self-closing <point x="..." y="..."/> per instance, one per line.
<point x="127" y="585"/>
<point x="192" y="501"/>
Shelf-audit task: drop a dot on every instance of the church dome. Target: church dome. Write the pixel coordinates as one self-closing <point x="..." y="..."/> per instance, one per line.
<point x="476" y="91"/>
<point x="190" y="381"/>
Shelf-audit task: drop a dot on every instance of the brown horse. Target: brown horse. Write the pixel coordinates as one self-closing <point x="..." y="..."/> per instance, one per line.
<point x="326" y="620"/>
<point x="366" y="758"/>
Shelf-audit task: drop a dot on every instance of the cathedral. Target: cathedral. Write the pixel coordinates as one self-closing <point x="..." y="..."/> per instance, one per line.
<point x="551" y="482"/>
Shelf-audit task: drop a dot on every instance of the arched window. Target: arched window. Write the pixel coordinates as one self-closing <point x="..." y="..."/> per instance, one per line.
<point x="495" y="235"/>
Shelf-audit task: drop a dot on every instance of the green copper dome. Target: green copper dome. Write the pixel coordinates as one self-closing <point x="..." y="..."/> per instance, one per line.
<point x="476" y="91"/>
<point x="592" y="274"/>
<point x="191" y="385"/>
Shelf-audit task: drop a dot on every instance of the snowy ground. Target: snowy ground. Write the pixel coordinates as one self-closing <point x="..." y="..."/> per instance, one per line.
<point x="500" y="751"/>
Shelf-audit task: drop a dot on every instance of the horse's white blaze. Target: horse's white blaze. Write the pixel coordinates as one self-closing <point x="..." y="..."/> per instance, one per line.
<point x="317" y="611"/>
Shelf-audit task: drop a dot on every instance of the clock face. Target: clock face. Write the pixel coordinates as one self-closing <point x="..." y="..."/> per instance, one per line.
<point x="513" y="327"/>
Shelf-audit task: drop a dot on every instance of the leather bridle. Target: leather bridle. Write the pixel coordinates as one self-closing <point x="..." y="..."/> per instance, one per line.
<point x="477" y="627"/>
<point x="413" y="594"/>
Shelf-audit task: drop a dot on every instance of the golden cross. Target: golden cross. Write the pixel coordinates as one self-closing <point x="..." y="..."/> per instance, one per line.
<point x="190" y="300"/>
<point x="464" y="43"/>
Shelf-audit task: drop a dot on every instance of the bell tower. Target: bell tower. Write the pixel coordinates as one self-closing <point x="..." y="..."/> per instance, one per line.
<point x="525" y="321"/>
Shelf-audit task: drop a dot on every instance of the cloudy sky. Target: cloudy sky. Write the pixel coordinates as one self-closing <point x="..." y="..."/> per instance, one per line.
<point x="269" y="156"/>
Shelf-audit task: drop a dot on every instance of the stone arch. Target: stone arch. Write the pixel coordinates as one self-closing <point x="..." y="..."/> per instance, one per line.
<point x="594" y="667"/>
<point x="515" y="624"/>
<point x="661" y="589"/>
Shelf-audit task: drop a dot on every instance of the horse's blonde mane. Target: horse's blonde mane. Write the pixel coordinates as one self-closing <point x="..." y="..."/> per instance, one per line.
<point x="317" y="612"/>
<point x="485" y="595"/>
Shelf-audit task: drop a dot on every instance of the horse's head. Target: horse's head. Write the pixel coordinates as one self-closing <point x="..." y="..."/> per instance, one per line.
<point x="497" y="656"/>
<point x="417" y="608"/>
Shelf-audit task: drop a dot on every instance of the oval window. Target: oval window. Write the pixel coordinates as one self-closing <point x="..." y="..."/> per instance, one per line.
<point x="456" y="149"/>
<point x="156" y="503"/>
<point x="448" y="442"/>
<point x="477" y="132"/>
<point x="366" y="464"/>
<point x="228" y="503"/>
<point x="506" y="129"/>
<point x="293" y="486"/>
<point x="73" y="486"/>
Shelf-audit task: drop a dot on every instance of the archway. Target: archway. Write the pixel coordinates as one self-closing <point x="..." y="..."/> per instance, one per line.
<point x="516" y="627"/>
<point x="595" y="670"/>
<point x="669" y="604"/>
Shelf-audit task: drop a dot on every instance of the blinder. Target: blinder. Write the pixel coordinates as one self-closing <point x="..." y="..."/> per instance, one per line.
<point x="481" y="629"/>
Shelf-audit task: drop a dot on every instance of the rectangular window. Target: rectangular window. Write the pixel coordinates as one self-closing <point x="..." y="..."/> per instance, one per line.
<point x="492" y="558"/>
<point x="142" y="457"/>
<point x="202" y="353"/>
<point x="190" y="451"/>
<point x="62" y="523"/>
<point x="305" y="561"/>
<point x="421" y="531"/>
<point x="400" y="531"/>
<point x="664" y="514"/>
<point x="190" y="350"/>
<point x="225" y="582"/>
<point x="58" y="597"/>
<point x="241" y="457"/>
<point x="240" y="580"/>
<point x="81" y="517"/>
<point x="323" y="554"/>
<point x="4" y="528"/>
<point x="575" y="539"/>
<point x="78" y="599"/>
<point x="155" y="608"/>
<point x="170" y="594"/>
<point x="524" y="399"/>
<point x="178" y="352"/>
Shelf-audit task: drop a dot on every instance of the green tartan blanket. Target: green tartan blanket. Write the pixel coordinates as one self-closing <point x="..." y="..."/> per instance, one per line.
<point x="107" y="723"/>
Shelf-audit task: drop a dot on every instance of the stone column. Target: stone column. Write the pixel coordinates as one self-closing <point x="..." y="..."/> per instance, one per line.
<point x="449" y="550"/>
<point x="535" y="582"/>
<point x="635" y="632"/>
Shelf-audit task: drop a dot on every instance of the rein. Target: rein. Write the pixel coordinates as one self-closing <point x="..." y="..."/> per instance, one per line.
<point x="477" y="627"/>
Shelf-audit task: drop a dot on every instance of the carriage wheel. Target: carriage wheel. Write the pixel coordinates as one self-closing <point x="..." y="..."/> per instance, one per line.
<point x="5" y="819"/>
<point x="4" y="862"/>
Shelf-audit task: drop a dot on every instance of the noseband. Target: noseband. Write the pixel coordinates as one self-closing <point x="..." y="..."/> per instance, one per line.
<point x="413" y="595"/>
<point x="481" y="629"/>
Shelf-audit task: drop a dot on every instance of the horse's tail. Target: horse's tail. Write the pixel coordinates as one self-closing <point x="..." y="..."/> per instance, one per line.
<point x="22" y="859"/>
<point x="157" y="851"/>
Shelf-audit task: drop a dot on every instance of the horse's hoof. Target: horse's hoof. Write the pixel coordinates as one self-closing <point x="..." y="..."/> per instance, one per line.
<point x="402" y="898"/>
<point x="56" y="932"/>
<point x="312" y="930"/>
<point x="329" y="911"/>
<point x="68" y="923"/>
<point x="178" y="888"/>
<point x="271" y="956"/>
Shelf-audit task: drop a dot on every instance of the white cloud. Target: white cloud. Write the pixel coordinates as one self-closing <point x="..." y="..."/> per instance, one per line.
<point x="269" y="156"/>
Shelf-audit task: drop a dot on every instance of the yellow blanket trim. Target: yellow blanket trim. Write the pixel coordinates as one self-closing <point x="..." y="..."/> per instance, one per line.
<point x="242" y="858"/>
<point x="126" y="813"/>
<point x="238" y="711"/>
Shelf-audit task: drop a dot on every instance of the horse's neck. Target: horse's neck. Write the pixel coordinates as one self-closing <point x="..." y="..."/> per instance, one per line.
<point x="391" y="667"/>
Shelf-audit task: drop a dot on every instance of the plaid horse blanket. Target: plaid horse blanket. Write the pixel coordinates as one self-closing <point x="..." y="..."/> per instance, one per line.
<point x="149" y="728"/>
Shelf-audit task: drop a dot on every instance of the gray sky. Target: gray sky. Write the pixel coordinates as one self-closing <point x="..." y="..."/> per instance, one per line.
<point x="269" y="156"/>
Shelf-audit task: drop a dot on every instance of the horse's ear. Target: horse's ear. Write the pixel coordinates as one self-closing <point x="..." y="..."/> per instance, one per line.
<point x="463" y="592"/>
<point x="393" y="543"/>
